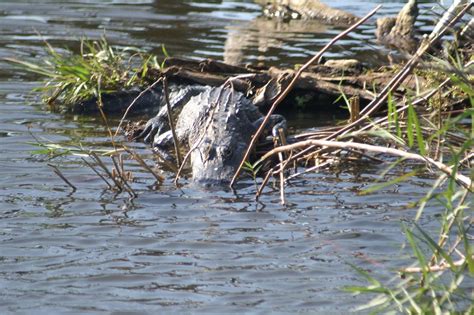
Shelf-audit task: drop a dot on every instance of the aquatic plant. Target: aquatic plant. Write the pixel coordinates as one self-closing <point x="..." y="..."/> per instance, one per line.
<point x="252" y="169"/>
<point x="98" y="68"/>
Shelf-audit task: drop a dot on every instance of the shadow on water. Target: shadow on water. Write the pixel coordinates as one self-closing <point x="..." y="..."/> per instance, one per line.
<point x="178" y="250"/>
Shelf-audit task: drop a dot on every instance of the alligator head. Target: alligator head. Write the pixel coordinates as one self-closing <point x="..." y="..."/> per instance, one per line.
<point x="221" y="133"/>
<point x="215" y="124"/>
<point x="219" y="153"/>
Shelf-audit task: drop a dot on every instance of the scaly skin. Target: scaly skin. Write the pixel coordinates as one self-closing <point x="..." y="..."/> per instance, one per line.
<point x="215" y="125"/>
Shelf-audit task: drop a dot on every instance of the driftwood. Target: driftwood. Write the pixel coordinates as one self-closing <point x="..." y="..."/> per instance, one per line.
<point x="330" y="79"/>
<point x="307" y="9"/>
<point x="399" y="32"/>
<point x="326" y="81"/>
<point x="206" y="65"/>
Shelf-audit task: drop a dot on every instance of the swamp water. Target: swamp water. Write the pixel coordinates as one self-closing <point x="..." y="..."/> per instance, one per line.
<point x="180" y="250"/>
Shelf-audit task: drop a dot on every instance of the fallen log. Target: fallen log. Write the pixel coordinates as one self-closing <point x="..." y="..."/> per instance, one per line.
<point x="320" y="79"/>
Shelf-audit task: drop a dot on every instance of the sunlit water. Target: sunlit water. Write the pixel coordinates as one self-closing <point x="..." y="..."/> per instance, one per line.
<point x="181" y="250"/>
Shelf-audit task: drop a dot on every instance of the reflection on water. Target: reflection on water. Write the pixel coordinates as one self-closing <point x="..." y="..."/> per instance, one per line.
<point x="192" y="29"/>
<point x="265" y="36"/>
<point x="177" y="250"/>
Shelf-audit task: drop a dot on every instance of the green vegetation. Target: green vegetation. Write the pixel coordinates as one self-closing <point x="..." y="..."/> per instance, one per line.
<point x="433" y="124"/>
<point x="98" y="68"/>
<point x="252" y="170"/>
<point x="440" y="280"/>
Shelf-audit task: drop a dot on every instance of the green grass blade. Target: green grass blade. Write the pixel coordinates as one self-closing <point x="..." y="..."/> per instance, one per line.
<point x="467" y="247"/>
<point x="435" y="247"/>
<point x="416" y="250"/>
<point x="165" y="52"/>
<point x="379" y="186"/>
<point x="419" y="135"/>
<point x="30" y="67"/>
<point x="409" y="129"/>
<point x="413" y="304"/>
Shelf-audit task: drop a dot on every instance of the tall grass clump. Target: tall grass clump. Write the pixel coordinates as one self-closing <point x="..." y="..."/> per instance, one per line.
<point x="97" y="69"/>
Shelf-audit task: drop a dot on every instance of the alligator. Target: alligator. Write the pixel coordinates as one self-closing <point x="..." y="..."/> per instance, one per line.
<point x="215" y="124"/>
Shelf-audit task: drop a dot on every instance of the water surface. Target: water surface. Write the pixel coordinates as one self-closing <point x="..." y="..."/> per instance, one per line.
<point x="181" y="250"/>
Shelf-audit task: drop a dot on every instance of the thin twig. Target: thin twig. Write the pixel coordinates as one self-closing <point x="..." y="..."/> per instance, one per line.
<point x="106" y="170"/>
<point x="311" y="169"/>
<point x="98" y="173"/>
<point x="123" y="178"/>
<point x="264" y="183"/>
<point x="435" y="268"/>
<point x="133" y="103"/>
<point x="58" y="172"/>
<point x="143" y="164"/>
<point x="282" y="175"/>
<point x="285" y="92"/>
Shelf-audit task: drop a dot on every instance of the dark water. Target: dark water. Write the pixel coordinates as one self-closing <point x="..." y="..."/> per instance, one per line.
<point x="179" y="250"/>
